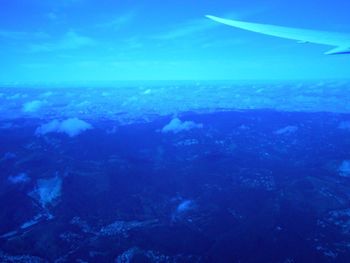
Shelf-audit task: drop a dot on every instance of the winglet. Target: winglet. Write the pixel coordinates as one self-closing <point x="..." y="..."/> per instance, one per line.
<point x="338" y="51"/>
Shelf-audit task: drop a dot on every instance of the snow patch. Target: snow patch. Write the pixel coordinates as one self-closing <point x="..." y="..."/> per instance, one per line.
<point x="72" y="127"/>
<point x="176" y="126"/>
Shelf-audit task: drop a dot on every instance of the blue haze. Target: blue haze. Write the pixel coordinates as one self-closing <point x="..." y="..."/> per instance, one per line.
<point x="89" y="40"/>
<point x="140" y="131"/>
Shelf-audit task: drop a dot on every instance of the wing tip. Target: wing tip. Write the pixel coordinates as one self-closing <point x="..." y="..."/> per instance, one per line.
<point x="215" y="18"/>
<point x="209" y="16"/>
<point x="223" y="20"/>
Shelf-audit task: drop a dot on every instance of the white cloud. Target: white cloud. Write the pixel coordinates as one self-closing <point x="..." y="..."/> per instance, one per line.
<point x="35" y="66"/>
<point x="119" y="21"/>
<point x="31" y="222"/>
<point x="7" y="126"/>
<point x="52" y="126"/>
<point x="21" y="178"/>
<point x="8" y="156"/>
<point x="183" y="210"/>
<point x="72" y="127"/>
<point x="32" y="106"/>
<point x="46" y="94"/>
<point x="344" y="168"/>
<point x="21" y="35"/>
<point x="16" y="96"/>
<point x="176" y="126"/>
<point x="47" y="191"/>
<point x="70" y="41"/>
<point x="344" y="125"/>
<point x="194" y="27"/>
<point x="186" y="29"/>
<point x="52" y="16"/>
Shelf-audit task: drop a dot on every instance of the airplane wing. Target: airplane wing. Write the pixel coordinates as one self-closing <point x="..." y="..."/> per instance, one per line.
<point x="341" y="41"/>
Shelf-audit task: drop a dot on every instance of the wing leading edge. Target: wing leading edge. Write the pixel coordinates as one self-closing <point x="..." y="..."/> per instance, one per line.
<point x="341" y="41"/>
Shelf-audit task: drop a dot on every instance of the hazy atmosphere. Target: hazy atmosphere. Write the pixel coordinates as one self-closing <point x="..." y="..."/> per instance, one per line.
<point x="174" y="131"/>
<point x="108" y="40"/>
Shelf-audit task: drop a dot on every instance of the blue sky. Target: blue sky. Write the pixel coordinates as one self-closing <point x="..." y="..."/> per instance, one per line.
<point x="53" y="41"/>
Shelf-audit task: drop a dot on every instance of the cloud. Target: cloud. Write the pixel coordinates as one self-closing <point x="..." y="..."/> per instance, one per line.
<point x="16" y="96"/>
<point x="70" y="2"/>
<point x="8" y="156"/>
<point x="46" y="94"/>
<point x="344" y="168"/>
<point x="185" y="206"/>
<point x="21" y="178"/>
<point x="344" y="125"/>
<point x="52" y="16"/>
<point x="197" y="26"/>
<point x="210" y="43"/>
<point x="21" y="35"/>
<point x="66" y="3"/>
<point x="191" y="27"/>
<point x="183" y="210"/>
<point x="72" y="127"/>
<point x="47" y="191"/>
<point x="70" y="41"/>
<point x="52" y="126"/>
<point x="32" y="106"/>
<point x="119" y="21"/>
<point x="35" y="65"/>
<point x="176" y="126"/>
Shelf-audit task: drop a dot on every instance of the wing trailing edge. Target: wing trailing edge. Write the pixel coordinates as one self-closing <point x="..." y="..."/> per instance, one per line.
<point x="341" y="41"/>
